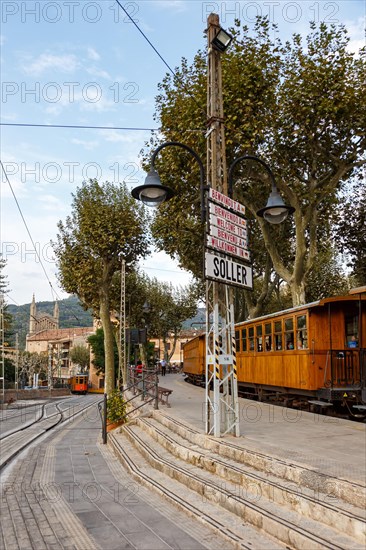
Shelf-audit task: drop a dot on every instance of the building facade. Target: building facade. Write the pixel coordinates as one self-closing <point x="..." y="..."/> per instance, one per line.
<point x="45" y="337"/>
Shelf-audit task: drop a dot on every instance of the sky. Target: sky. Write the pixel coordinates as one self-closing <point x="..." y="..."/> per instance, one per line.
<point x="85" y="63"/>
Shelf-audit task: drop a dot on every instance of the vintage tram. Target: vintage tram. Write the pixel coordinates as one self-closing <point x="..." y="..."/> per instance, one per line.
<point x="79" y="383"/>
<point x="315" y="351"/>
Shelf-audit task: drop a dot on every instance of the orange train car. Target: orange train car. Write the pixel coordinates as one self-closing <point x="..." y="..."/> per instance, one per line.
<point x="316" y="350"/>
<point x="79" y="383"/>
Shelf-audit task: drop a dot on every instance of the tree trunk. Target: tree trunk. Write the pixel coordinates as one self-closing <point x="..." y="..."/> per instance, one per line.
<point x="109" y="382"/>
<point x="298" y="293"/>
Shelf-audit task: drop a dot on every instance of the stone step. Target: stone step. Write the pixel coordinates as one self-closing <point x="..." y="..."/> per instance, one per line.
<point x="232" y="533"/>
<point x="333" y="487"/>
<point x="280" y="522"/>
<point x="315" y="506"/>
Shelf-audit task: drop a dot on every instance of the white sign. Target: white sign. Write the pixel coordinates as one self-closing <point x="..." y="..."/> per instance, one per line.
<point x="225" y="201"/>
<point x="227" y="248"/>
<point x="228" y="271"/>
<point x="225" y="225"/>
<point x="223" y="359"/>
<point x="226" y="215"/>
<point x="228" y="237"/>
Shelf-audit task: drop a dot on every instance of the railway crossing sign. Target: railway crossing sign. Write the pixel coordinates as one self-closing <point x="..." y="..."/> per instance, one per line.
<point x="227" y="271"/>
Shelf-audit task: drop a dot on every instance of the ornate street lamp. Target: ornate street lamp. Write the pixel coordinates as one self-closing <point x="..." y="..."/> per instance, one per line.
<point x="153" y="193"/>
<point x="275" y="211"/>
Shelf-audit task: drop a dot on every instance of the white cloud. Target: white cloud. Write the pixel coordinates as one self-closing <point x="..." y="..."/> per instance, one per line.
<point x="88" y="145"/>
<point x="94" y="71"/>
<point x="93" y="54"/>
<point x="356" y="32"/>
<point x="172" y="5"/>
<point x="46" y="61"/>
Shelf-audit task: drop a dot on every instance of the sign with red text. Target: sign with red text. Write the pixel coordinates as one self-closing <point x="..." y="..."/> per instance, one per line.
<point x="226" y="201"/>
<point x="227" y="248"/>
<point x="226" y="215"/>
<point x="228" y="236"/>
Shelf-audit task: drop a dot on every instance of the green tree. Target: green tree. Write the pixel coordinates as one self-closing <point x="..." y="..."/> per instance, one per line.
<point x="80" y="356"/>
<point x="106" y="225"/>
<point x="300" y="107"/>
<point x="30" y="364"/>
<point x="168" y="308"/>
<point x="96" y="342"/>
<point x="350" y="230"/>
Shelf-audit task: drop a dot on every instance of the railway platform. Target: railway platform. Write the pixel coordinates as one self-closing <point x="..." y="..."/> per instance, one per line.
<point x="293" y="479"/>
<point x="332" y="446"/>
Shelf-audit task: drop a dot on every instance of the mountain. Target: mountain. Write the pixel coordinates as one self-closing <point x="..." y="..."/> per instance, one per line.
<point x="198" y="321"/>
<point x="72" y="314"/>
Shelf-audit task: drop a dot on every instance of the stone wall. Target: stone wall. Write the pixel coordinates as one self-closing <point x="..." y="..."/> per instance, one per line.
<point x="34" y="394"/>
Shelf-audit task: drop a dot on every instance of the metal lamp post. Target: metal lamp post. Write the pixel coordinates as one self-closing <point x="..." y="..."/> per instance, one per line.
<point x="153" y="193"/>
<point x="275" y="211"/>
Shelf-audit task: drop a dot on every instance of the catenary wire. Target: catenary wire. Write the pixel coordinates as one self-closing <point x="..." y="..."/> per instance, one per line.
<point x="53" y="291"/>
<point x="182" y="85"/>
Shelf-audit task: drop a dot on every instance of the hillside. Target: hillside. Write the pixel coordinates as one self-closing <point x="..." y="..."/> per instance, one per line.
<point x="71" y="315"/>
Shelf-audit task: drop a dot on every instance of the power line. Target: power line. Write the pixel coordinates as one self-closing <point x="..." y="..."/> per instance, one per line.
<point x="182" y="85"/>
<point x="53" y="291"/>
<point x="146" y="38"/>
<point x="134" y="129"/>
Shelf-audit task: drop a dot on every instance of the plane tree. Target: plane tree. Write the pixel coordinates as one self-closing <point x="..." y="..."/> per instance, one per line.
<point x="297" y="105"/>
<point x="106" y="225"/>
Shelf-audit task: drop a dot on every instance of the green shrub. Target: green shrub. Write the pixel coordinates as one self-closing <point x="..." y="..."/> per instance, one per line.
<point x="116" y="407"/>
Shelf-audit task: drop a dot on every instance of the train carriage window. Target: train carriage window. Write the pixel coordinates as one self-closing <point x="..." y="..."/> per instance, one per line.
<point x="278" y="334"/>
<point x="301" y="332"/>
<point x="237" y="340"/>
<point x="259" y="340"/>
<point x="351" y="322"/>
<point x="244" y="339"/>
<point x="289" y="333"/>
<point x="268" y="336"/>
<point x="251" y="338"/>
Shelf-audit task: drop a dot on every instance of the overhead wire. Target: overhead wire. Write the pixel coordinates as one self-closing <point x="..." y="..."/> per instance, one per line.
<point x="53" y="291"/>
<point x="182" y="85"/>
<point x="31" y="125"/>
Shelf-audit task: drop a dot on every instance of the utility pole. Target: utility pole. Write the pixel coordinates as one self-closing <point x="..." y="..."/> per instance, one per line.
<point x="2" y="345"/>
<point x="222" y="408"/>
<point x="16" y="364"/>
<point x="122" y="375"/>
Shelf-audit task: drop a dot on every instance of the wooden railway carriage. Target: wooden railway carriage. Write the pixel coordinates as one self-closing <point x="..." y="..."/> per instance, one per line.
<point x="79" y="383"/>
<point x="194" y="360"/>
<point x="316" y="350"/>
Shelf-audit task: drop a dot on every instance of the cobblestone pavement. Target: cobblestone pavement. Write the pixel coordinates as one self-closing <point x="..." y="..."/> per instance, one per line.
<point x="70" y="492"/>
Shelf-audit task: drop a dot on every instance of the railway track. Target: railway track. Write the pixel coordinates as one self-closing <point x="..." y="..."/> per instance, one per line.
<point x="46" y="419"/>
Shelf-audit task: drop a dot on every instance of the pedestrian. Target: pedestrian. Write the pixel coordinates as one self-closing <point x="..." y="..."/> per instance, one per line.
<point x="163" y="367"/>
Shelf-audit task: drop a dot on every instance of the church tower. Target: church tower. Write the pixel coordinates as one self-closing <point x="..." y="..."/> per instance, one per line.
<point x="33" y="316"/>
<point x="56" y="314"/>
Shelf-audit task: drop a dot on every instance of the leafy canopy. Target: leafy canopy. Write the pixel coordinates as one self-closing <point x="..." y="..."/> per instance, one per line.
<point x="299" y="106"/>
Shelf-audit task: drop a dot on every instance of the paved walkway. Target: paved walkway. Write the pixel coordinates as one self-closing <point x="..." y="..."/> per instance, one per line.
<point x="330" y="445"/>
<point x="70" y="492"/>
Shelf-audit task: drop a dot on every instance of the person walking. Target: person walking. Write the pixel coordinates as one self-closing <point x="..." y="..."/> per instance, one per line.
<point x="163" y="367"/>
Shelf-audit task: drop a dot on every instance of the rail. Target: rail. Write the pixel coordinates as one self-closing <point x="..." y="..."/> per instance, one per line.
<point x="345" y="367"/>
<point x="143" y="385"/>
